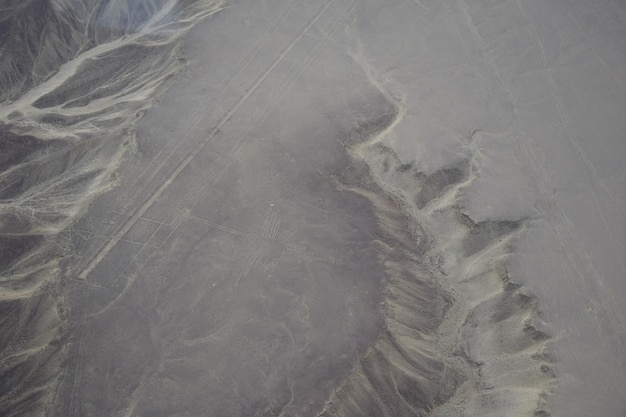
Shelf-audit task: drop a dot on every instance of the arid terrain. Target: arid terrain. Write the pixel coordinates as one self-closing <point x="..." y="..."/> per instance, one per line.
<point x="297" y="208"/>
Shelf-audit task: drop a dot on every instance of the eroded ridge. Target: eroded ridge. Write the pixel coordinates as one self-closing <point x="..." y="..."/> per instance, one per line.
<point x="71" y="101"/>
<point x="75" y="77"/>
<point x="461" y="337"/>
<point x="403" y="374"/>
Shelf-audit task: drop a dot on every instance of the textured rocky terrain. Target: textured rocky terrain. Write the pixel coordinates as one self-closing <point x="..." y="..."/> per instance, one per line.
<point x="338" y="208"/>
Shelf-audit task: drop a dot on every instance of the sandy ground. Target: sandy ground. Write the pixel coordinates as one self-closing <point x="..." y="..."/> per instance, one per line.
<point x="338" y="208"/>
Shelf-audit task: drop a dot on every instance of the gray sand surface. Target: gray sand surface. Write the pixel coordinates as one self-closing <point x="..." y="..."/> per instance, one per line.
<point x="297" y="208"/>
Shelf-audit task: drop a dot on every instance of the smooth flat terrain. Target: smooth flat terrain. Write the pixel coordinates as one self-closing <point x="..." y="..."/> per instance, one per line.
<point x="337" y="208"/>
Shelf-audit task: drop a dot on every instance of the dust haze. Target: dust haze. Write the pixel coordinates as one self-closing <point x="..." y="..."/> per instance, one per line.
<point x="292" y="208"/>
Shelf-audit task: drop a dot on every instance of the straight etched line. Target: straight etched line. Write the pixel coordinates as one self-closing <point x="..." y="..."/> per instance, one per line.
<point x="274" y="229"/>
<point x="266" y="224"/>
<point x="219" y="226"/>
<point x="278" y="60"/>
<point x="241" y="65"/>
<point x="249" y="262"/>
<point x="148" y="203"/>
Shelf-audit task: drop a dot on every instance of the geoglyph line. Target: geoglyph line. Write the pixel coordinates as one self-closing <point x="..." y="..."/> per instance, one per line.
<point x="309" y="54"/>
<point x="164" y="185"/>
